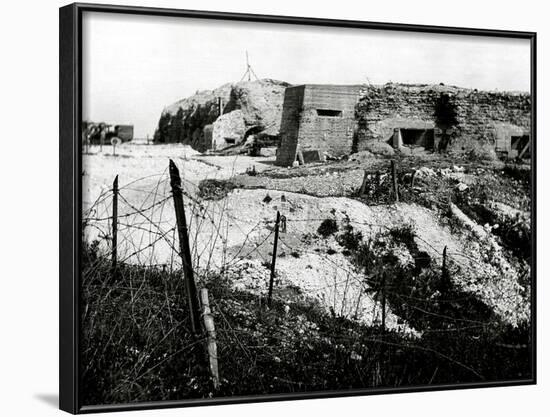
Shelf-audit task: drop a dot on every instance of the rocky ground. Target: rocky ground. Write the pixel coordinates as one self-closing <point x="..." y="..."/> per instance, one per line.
<point x="442" y="201"/>
<point x="368" y="291"/>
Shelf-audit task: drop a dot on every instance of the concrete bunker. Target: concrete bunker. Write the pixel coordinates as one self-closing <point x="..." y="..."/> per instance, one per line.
<point x="318" y="121"/>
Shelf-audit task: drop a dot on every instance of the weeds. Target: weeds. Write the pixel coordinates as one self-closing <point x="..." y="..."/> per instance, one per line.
<point x="349" y="239"/>
<point x="213" y="189"/>
<point x="328" y="227"/>
<point x="136" y="344"/>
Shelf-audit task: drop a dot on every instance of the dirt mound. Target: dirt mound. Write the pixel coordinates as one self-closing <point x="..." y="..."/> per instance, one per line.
<point x="259" y="101"/>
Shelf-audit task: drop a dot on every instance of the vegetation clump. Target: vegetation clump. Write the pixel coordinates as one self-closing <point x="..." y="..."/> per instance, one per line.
<point x="137" y="345"/>
<point x="349" y="239"/>
<point x="328" y="227"/>
<point x="213" y="189"/>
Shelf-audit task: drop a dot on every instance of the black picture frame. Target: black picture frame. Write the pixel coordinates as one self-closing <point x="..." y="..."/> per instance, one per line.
<point x="70" y="157"/>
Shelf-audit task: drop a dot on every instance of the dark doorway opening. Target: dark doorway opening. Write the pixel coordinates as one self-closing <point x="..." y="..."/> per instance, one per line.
<point x="311" y="156"/>
<point x="418" y="137"/>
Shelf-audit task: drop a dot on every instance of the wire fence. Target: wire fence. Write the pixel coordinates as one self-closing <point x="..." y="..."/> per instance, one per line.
<point x="225" y="239"/>
<point x="221" y="238"/>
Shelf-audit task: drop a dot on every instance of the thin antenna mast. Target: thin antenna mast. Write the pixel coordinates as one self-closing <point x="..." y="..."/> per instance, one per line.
<point x="249" y="71"/>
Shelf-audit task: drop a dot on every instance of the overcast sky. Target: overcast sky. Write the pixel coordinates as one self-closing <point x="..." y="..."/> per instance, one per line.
<point x="134" y="66"/>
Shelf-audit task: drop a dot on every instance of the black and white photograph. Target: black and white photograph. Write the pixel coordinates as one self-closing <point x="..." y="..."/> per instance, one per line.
<point x="277" y="209"/>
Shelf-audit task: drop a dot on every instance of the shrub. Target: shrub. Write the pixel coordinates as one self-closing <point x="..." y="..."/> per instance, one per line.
<point x="404" y="234"/>
<point x="212" y="189"/>
<point x="350" y="239"/>
<point x="328" y="227"/>
<point x="518" y="173"/>
<point x="137" y="345"/>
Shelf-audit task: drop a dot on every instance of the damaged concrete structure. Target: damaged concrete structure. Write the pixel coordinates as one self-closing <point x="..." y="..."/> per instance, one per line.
<point x="444" y="118"/>
<point x="312" y="122"/>
<point x="224" y="117"/>
<point x="336" y="120"/>
<point x="317" y="120"/>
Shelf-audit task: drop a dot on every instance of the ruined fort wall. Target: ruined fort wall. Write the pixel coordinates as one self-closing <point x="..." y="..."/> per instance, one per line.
<point x="481" y="119"/>
<point x="382" y="109"/>
<point x="490" y="118"/>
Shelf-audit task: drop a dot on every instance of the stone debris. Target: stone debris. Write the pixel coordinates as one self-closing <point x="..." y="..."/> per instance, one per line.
<point x="228" y="130"/>
<point x="425" y="172"/>
<point x="461" y="187"/>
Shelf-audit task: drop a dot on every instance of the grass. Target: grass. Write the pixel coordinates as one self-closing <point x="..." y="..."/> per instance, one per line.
<point x="136" y="344"/>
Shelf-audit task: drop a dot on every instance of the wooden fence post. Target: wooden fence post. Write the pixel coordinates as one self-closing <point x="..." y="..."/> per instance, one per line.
<point x="273" y="259"/>
<point x="85" y="141"/>
<point x="115" y="226"/>
<point x="383" y="289"/>
<point x="185" y="251"/>
<point x="363" y="184"/>
<point x="394" y="181"/>
<point x="445" y="285"/>
<point x="211" y="347"/>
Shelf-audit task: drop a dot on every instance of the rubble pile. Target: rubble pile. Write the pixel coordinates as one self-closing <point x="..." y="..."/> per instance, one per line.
<point x="234" y="111"/>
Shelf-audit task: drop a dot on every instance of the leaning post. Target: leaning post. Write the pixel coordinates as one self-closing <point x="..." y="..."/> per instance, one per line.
<point x="273" y="259"/>
<point x="185" y="251"/>
<point x="394" y="181"/>
<point x="445" y="278"/>
<point x="115" y="226"/>
<point x="211" y="347"/>
<point x="364" y="183"/>
<point x="383" y="302"/>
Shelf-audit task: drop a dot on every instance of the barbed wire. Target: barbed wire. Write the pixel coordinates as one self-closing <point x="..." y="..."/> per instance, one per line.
<point x="203" y="211"/>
